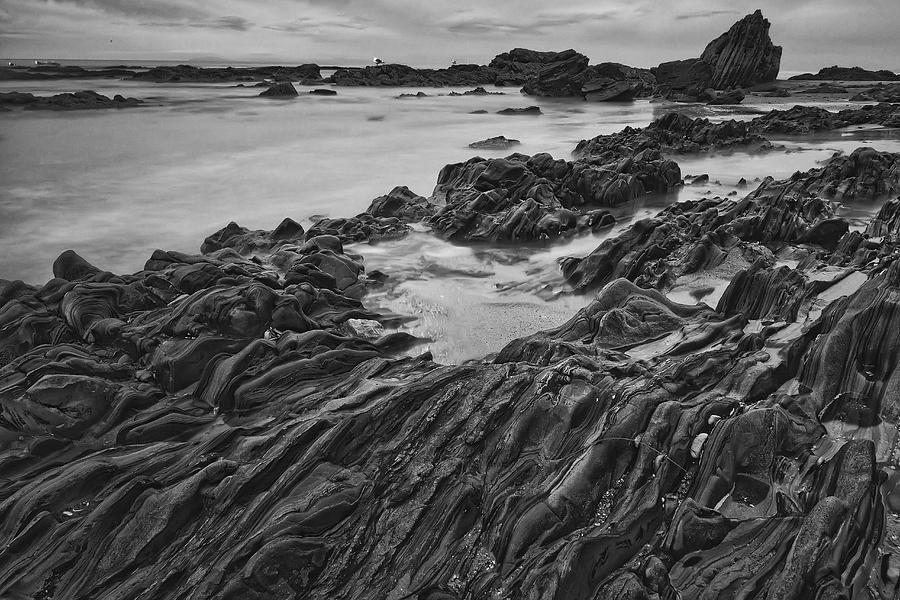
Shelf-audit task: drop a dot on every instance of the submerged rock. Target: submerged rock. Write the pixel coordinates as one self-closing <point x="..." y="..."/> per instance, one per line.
<point x="494" y="143"/>
<point x="85" y="100"/>
<point x="528" y="110"/>
<point x="284" y="89"/>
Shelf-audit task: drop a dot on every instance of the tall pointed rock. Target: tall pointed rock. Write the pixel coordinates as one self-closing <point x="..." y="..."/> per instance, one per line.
<point x="743" y="56"/>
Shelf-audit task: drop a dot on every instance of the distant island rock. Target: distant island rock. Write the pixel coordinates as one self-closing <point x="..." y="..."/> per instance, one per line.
<point x="308" y="73"/>
<point x="836" y="73"/>
<point x="84" y="100"/>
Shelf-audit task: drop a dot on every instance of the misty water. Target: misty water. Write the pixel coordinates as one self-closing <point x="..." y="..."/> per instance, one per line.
<point x="116" y="184"/>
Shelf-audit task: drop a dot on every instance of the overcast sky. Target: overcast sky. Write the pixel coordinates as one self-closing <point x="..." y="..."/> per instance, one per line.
<point x="814" y="33"/>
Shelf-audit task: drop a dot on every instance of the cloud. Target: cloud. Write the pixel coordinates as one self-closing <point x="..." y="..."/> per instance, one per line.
<point x="705" y="14"/>
<point x="313" y="25"/>
<point x="228" y="22"/>
<point x="154" y="9"/>
<point x="471" y="24"/>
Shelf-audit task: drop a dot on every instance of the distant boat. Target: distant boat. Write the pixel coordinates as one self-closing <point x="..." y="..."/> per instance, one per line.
<point x="46" y="63"/>
<point x="377" y="60"/>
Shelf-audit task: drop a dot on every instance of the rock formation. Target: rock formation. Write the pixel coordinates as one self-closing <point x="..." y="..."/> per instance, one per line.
<point x="216" y="427"/>
<point x="406" y="76"/>
<point x="237" y="424"/>
<point x="741" y="57"/>
<point x="304" y="73"/>
<point x="837" y="73"/>
<point x="285" y="89"/>
<point x="85" y="100"/>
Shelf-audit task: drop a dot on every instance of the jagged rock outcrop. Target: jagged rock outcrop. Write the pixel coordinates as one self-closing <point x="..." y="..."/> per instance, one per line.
<point x="85" y="100"/>
<point x="560" y="78"/>
<point x="800" y="119"/>
<point x="744" y="56"/>
<point x="567" y="74"/>
<point x="688" y="237"/>
<point x="741" y="57"/>
<point x="521" y="64"/>
<point x="524" y="197"/>
<point x="674" y="133"/>
<point x="217" y="426"/>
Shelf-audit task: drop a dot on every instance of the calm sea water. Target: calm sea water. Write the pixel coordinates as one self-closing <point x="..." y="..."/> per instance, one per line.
<point x="115" y="185"/>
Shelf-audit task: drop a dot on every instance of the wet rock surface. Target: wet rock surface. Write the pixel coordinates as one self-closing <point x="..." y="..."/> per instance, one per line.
<point x="237" y="424"/>
<point x="84" y="100"/>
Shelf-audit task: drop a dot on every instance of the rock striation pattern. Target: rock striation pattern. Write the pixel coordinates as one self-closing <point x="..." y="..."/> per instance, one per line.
<point x="694" y="236"/>
<point x="743" y="56"/>
<point x="226" y="425"/>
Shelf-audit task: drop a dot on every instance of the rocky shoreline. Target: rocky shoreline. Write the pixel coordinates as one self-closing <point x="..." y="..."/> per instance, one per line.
<point x="741" y="61"/>
<point x="238" y="424"/>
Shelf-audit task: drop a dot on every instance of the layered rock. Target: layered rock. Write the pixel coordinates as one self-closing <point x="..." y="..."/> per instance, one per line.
<point x="561" y="77"/>
<point x="216" y="426"/>
<point x="674" y="133"/>
<point x="743" y="56"/>
<point x="697" y="235"/>
<point x="801" y="120"/>
<point x="524" y="197"/>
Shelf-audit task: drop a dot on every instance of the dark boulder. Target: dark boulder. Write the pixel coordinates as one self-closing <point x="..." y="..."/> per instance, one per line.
<point x="284" y="89"/>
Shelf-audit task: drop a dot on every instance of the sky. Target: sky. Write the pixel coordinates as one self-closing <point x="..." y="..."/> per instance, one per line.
<point x="813" y="33"/>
